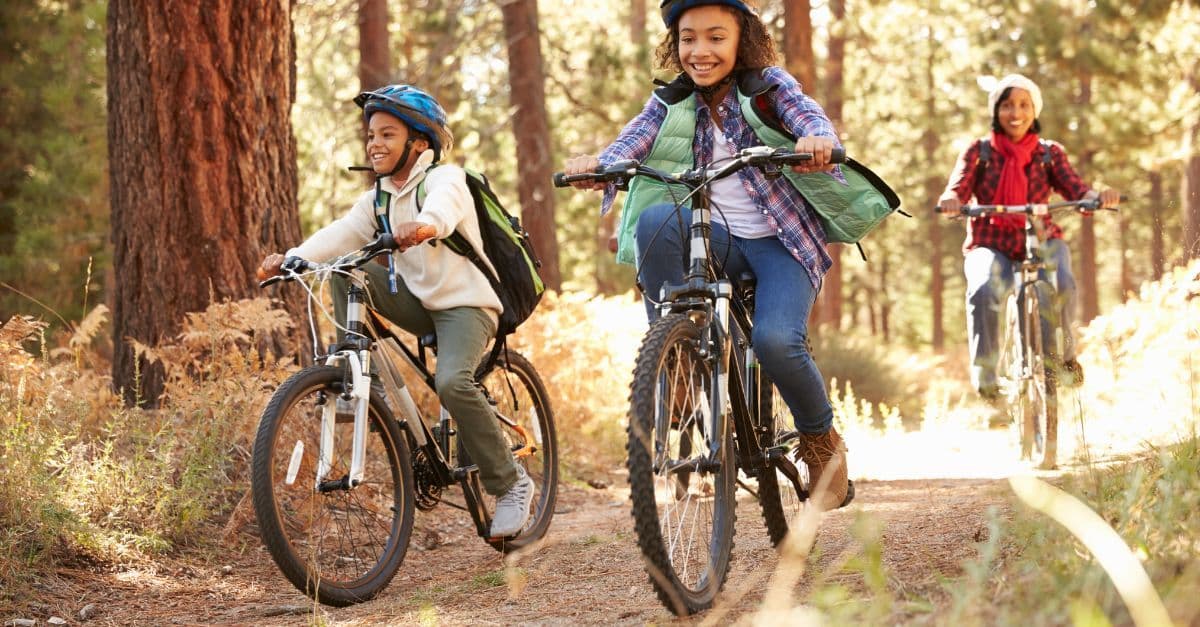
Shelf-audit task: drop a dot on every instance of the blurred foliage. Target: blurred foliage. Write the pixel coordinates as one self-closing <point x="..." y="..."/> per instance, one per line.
<point x="53" y="158"/>
<point x="901" y="59"/>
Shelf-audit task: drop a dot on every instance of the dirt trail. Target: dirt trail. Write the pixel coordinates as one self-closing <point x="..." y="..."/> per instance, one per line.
<point x="587" y="572"/>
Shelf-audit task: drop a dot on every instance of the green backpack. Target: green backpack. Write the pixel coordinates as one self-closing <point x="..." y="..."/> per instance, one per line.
<point x="506" y="244"/>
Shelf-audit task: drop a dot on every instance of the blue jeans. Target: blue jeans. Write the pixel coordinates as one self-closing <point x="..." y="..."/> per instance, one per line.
<point x="783" y="298"/>
<point x="991" y="277"/>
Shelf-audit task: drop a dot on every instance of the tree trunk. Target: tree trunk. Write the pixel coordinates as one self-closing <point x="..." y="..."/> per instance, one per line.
<point x="933" y="188"/>
<point x="1191" y="196"/>
<point x="1089" y="301"/>
<point x="1158" y="259"/>
<point x="831" y="295"/>
<point x="797" y="43"/>
<point x="374" y="60"/>
<point x="637" y="23"/>
<point x="203" y="163"/>
<point x="1123" y="242"/>
<point x="532" y="130"/>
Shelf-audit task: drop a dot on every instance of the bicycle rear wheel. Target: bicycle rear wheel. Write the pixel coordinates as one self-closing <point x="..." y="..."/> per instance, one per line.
<point x="339" y="546"/>
<point x="527" y="425"/>
<point x="681" y="475"/>
<point x="777" y="495"/>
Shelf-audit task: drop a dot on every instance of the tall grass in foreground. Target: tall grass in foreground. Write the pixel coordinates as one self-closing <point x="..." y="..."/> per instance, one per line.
<point x="87" y="479"/>
<point x="1141" y="403"/>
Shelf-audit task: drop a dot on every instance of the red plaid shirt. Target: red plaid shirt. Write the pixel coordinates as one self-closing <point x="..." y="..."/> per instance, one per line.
<point x="1006" y="233"/>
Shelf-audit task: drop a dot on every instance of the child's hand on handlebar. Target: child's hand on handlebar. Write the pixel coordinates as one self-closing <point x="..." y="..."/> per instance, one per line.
<point x="583" y="164"/>
<point x="270" y="267"/>
<point x="409" y="234"/>
<point x="1109" y="198"/>
<point x="821" y="149"/>
<point x="950" y="206"/>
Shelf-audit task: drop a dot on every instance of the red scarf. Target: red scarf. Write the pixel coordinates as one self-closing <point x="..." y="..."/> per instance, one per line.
<point x="1013" y="187"/>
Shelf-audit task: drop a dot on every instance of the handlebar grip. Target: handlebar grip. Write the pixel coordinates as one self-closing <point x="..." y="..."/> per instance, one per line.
<point x="564" y="180"/>
<point x="423" y="232"/>
<point x="838" y="155"/>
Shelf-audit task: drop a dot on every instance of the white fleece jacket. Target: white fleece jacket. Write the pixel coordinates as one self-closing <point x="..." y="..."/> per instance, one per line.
<point x="439" y="277"/>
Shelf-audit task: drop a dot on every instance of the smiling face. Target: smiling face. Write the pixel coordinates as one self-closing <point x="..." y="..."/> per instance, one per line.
<point x="1016" y="113"/>
<point x="386" y="138"/>
<point x="708" y="43"/>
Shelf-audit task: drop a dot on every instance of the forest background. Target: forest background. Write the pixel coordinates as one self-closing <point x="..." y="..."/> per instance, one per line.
<point x="152" y="152"/>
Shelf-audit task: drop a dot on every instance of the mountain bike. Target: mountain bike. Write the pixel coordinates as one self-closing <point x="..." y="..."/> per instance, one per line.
<point x="343" y="457"/>
<point x="701" y="409"/>
<point x="1031" y="342"/>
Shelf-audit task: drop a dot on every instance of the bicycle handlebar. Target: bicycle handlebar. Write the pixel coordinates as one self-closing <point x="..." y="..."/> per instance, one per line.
<point x="293" y="267"/>
<point x="1033" y="209"/>
<point x="756" y="156"/>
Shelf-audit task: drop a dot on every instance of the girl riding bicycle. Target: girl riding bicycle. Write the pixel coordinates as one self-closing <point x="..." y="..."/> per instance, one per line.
<point x="436" y="289"/>
<point x="725" y="58"/>
<point x="1013" y="166"/>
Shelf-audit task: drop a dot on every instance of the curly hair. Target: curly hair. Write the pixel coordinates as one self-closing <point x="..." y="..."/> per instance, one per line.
<point x="755" y="46"/>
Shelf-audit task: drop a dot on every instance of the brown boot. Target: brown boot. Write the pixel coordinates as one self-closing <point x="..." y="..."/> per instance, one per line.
<point x="826" y="452"/>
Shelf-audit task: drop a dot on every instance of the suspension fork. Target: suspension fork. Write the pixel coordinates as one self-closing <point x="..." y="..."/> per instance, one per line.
<point x="355" y="356"/>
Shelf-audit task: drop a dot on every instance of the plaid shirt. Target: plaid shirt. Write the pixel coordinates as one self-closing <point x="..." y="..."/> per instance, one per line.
<point x="1006" y="233"/>
<point x="794" y="221"/>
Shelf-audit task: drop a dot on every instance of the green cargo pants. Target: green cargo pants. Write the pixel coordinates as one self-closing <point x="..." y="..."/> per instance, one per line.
<point x="462" y="337"/>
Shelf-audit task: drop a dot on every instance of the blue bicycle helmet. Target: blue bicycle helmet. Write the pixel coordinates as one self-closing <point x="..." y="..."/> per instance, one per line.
<point x="672" y="9"/>
<point x="415" y="108"/>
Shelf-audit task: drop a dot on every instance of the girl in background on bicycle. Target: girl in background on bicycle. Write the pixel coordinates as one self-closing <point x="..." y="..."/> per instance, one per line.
<point x="1021" y="168"/>
<point x="725" y="57"/>
<point x="439" y="291"/>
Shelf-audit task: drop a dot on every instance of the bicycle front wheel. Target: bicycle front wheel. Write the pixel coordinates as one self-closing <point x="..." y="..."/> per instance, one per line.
<point x="338" y="545"/>
<point x="681" y="467"/>
<point x="1039" y="430"/>
<point x="527" y="425"/>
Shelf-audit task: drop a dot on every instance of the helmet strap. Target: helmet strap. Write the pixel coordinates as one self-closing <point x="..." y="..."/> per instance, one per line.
<point x="403" y="157"/>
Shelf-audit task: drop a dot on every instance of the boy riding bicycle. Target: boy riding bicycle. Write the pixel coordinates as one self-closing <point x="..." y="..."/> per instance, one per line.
<point x="1013" y="167"/>
<point x="436" y="289"/>
<point x="724" y="55"/>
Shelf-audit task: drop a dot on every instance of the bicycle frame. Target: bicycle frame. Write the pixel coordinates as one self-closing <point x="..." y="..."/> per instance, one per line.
<point x="710" y="301"/>
<point x="369" y="339"/>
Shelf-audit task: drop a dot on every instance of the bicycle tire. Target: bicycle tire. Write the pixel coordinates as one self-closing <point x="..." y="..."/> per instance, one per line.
<point x="672" y="389"/>
<point x="1011" y="371"/>
<point x="777" y="496"/>
<point x="339" y="547"/>
<point x="1040" y="433"/>
<point x="517" y="389"/>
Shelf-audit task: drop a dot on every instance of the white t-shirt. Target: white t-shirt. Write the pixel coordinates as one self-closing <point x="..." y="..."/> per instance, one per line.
<point x="731" y="203"/>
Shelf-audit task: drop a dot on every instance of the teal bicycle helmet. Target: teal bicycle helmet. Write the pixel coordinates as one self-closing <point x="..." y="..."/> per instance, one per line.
<point x="420" y="111"/>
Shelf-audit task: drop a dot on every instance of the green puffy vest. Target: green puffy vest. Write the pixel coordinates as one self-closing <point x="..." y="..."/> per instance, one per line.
<point x="847" y="211"/>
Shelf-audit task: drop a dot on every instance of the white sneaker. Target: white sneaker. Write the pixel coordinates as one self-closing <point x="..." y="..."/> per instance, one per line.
<point x="512" y="509"/>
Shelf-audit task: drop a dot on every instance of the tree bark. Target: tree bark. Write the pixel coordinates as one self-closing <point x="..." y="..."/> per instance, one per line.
<point x="933" y="185"/>
<point x="374" y="61"/>
<point x="532" y="130"/>
<point x="797" y="43"/>
<point x="203" y="163"/>
<point x="1158" y="258"/>
<point x="1089" y="301"/>
<point x="831" y="295"/>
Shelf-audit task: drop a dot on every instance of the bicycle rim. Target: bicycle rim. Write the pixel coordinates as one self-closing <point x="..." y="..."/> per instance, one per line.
<point x="338" y="546"/>
<point x="777" y="494"/>
<point x="681" y="477"/>
<point x="527" y="426"/>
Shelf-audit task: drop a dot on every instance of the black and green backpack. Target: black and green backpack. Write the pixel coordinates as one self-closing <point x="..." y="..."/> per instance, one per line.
<point x="506" y="244"/>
